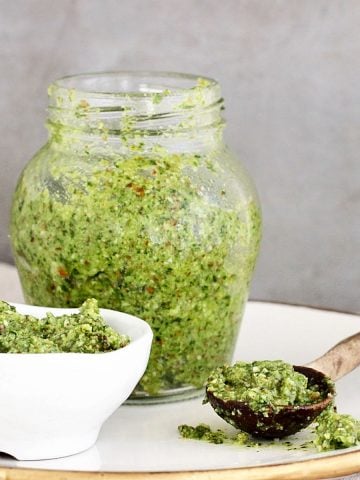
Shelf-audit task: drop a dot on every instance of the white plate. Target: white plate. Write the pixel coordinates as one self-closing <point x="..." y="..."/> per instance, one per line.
<point x="145" y="438"/>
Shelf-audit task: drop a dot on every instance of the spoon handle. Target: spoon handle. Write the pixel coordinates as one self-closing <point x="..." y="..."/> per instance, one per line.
<point x="340" y="359"/>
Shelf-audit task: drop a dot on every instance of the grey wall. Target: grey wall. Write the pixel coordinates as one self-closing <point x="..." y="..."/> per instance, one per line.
<point x="290" y="71"/>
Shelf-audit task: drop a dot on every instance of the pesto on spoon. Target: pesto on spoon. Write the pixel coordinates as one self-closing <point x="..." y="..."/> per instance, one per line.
<point x="272" y="399"/>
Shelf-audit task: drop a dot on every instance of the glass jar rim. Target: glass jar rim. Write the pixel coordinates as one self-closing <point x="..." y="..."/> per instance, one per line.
<point x="135" y="102"/>
<point x="134" y="83"/>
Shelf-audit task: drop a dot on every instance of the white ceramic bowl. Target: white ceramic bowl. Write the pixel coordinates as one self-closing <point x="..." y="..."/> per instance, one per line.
<point x="54" y="404"/>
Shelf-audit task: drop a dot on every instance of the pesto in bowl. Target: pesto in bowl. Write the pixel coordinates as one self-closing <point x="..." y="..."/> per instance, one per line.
<point x="55" y="402"/>
<point x="82" y="332"/>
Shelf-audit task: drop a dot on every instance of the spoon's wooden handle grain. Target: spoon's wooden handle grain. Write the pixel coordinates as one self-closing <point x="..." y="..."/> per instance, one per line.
<point x="340" y="359"/>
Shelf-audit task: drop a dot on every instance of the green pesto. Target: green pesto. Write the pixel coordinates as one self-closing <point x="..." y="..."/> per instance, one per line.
<point x="140" y="237"/>
<point x="202" y="432"/>
<point x="83" y="332"/>
<point x="335" y="431"/>
<point x="205" y="433"/>
<point x="263" y="385"/>
<point x="169" y="237"/>
<point x="332" y="431"/>
<point x="274" y="384"/>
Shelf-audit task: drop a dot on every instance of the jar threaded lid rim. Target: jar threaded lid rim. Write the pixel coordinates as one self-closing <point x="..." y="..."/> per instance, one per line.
<point x="135" y="100"/>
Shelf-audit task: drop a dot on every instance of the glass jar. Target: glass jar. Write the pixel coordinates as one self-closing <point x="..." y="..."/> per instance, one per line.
<point x="136" y="201"/>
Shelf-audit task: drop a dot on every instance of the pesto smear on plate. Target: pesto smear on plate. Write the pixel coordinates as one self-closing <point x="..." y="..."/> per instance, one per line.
<point x="83" y="332"/>
<point x="145" y="221"/>
<point x="331" y="431"/>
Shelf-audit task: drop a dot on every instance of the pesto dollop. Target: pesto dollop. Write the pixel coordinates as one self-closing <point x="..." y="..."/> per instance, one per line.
<point x="334" y="431"/>
<point x="83" y="332"/>
<point x="263" y="385"/>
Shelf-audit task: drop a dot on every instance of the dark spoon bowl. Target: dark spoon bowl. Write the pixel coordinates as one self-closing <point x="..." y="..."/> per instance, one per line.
<point x="287" y="421"/>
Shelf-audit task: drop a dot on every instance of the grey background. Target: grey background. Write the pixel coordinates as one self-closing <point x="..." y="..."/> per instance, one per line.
<point x="290" y="72"/>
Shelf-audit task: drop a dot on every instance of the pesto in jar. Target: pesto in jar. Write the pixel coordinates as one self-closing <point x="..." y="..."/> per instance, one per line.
<point x="83" y="332"/>
<point x="146" y="221"/>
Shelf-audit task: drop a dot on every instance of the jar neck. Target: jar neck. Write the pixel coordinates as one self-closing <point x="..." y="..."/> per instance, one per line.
<point x="126" y="110"/>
